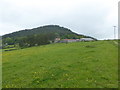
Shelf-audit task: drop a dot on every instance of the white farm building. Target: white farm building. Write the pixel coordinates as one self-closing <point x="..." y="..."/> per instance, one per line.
<point x="86" y="39"/>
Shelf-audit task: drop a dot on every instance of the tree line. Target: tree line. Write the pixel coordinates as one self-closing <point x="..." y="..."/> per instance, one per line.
<point x="30" y="40"/>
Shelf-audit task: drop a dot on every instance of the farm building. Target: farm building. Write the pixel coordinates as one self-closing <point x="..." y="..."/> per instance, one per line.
<point x="58" y="40"/>
<point x="86" y="39"/>
<point x="69" y="40"/>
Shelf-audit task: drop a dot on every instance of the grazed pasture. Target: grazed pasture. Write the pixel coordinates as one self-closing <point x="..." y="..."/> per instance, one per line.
<point x="72" y="65"/>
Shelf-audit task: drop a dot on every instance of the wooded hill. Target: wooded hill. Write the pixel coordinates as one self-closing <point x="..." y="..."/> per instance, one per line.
<point x="42" y="34"/>
<point x="60" y="31"/>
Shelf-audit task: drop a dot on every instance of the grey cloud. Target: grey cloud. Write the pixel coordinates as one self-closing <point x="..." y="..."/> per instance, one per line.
<point x="87" y="18"/>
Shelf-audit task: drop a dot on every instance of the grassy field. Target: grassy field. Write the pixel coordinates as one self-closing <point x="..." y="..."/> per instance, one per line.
<point x="72" y="65"/>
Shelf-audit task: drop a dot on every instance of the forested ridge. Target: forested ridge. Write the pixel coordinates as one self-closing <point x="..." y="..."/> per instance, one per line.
<point x="39" y="36"/>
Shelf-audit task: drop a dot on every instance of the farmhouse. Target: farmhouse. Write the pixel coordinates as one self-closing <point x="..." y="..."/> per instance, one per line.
<point x="86" y="39"/>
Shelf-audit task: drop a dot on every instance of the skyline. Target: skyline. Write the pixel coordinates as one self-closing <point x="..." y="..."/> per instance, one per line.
<point x="87" y="17"/>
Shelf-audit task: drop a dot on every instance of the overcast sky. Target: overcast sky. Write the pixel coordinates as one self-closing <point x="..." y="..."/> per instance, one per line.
<point x="89" y="17"/>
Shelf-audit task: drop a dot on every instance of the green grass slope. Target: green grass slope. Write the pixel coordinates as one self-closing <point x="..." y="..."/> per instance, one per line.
<point x="72" y="65"/>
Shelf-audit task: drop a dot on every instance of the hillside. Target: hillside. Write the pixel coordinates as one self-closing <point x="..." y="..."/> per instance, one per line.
<point x="72" y="65"/>
<point x="61" y="31"/>
<point x="39" y="36"/>
<point x="49" y="29"/>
